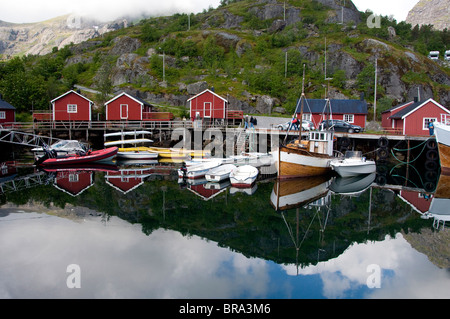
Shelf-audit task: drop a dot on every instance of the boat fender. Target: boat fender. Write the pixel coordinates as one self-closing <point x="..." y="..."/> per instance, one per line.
<point x="432" y="155"/>
<point x="382" y="153"/>
<point x="431" y="144"/>
<point x="383" y="142"/>
<point x="431" y="165"/>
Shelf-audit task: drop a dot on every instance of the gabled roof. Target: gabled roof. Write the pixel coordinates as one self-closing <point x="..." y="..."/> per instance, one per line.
<point x="413" y="107"/>
<point x="68" y="92"/>
<point x="207" y="90"/>
<point x="397" y="107"/>
<point x="337" y="106"/>
<point x="138" y="100"/>
<point x="5" y="105"/>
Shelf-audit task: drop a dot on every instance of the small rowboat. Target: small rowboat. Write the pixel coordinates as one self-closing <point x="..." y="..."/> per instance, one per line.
<point x="243" y="176"/>
<point x="219" y="173"/>
<point x="90" y="157"/>
<point x="197" y="171"/>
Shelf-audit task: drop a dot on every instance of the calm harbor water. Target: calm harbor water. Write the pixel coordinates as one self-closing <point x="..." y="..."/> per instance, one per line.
<point x="127" y="231"/>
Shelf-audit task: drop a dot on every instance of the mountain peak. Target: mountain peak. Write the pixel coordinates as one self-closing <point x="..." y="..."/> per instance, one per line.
<point x="434" y="12"/>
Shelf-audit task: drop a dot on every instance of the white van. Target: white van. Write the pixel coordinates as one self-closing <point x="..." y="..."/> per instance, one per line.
<point x="434" y="55"/>
<point x="447" y="55"/>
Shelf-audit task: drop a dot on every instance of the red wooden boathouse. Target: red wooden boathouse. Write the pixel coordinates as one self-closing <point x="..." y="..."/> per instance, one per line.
<point x="412" y="118"/>
<point x="125" y="107"/>
<point x="208" y="105"/>
<point x="7" y="111"/>
<point x="71" y="106"/>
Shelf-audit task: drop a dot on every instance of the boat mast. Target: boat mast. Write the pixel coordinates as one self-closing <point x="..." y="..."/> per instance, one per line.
<point x="302" y="98"/>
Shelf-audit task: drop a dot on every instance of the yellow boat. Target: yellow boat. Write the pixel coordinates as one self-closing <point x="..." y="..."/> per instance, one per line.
<point x="165" y="152"/>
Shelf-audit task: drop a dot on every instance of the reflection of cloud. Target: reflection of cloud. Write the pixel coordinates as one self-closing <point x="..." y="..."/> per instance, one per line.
<point x="411" y="274"/>
<point x="118" y="261"/>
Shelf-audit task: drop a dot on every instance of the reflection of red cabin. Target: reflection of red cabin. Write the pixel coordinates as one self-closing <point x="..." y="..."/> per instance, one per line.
<point x="127" y="180"/>
<point x="208" y="105"/>
<point x="126" y="107"/>
<point x="74" y="182"/>
<point x="71" y="106"/>
<point x="7" y="112"/>
<point x="412" y="118"/>
<point x="419" y="201"/>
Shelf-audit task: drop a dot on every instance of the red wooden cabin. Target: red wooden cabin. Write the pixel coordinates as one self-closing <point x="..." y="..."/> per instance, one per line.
<point x="125" y="107"/>
<point x="7" y="111"/>
<point x="71" y="106"/>
<point x="412" y="118"/>
<point x="208" y="105"/>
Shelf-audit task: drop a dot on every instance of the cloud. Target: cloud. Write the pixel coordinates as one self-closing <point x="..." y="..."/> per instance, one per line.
<point x="13" y="11"/>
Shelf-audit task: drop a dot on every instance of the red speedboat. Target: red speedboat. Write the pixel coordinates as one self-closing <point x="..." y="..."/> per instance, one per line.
<point x="91" y="156"/>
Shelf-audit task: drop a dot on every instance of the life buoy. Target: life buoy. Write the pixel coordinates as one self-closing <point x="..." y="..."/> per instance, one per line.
<point x="383" y="142"/>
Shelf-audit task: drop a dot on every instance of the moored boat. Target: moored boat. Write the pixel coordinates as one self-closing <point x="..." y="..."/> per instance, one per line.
<point x="103" y="155"/>
<point x="61" y="148"/>
<point x="133" y="152"/>
<point x="353" y="164"/>
<point x="243" y="176"/>
<point x="197" y="171"/>
<point x="219" y="173"/>
<point x="442" y="133"/>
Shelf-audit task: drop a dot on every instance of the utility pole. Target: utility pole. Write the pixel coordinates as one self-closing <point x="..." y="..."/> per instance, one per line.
<point x="285" y="64"/>
<point x="375" y="94"/>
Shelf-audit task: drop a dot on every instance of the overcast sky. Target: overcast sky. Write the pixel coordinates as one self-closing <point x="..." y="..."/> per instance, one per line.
<point x="22" y="11"/>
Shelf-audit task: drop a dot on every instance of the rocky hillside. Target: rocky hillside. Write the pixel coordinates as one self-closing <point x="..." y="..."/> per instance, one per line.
<point x="434" y="12"/>
<point x="252" y="53"/>
<point x="40" y="38"/>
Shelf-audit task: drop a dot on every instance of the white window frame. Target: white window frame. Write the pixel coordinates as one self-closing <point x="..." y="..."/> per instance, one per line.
<point x="306" y="116"/>
<point x="126" y="108"/>
<point x="424" y="125"/>
<point x="350" y="116"/>
<point x="2" y="115"/>
<point x="74" y="178"/>
<point x="72" y="108"/>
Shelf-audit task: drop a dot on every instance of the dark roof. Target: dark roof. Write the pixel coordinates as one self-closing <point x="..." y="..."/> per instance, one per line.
<point x="5" y="105"/>
<point x="406" y="110"/>
<point x="337" y="106"/>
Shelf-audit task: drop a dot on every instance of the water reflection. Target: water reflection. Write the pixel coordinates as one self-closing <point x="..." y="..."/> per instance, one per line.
<point x="137" y="231"/>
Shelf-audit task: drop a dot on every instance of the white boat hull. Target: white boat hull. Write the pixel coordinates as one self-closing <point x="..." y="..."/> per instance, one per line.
<point x="347" y="169"/>
<point x="137" y="155"/>
<point x="243" y="176"/>
<point x="442" y="133"/>
<point x="219" y="173"/>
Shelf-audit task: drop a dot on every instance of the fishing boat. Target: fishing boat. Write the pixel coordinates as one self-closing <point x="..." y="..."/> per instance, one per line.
<point x="61" y="148"/>
<point x="243" y="176"/>
<point x="219" y="173"/>
<point x="134" y="152"/>
<point x="104" y="155"/>
<point x="197" y="171"/>
<point x="442" y="132"/>
<point x="308" y="155"/>
<point x="353" y="164"/>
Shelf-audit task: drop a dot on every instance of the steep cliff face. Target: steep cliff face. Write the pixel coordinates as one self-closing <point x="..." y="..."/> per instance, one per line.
<point x="435" y="12"/>
<point x="39" y="38"/>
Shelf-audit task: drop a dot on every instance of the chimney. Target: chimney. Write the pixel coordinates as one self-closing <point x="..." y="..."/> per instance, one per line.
<point x="416" y="99"/>
<point x="362" y="96"/>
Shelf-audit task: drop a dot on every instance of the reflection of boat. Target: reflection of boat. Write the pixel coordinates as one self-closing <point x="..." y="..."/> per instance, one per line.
<point x="243" y="176"/>
<point x="247" y="190"/>
<point x="297" y="192"/>
<point x="352" y="164"/>
<point x="219" y="173"/>
<point x="90" y="157"/>
<point x="439" y="207"/>
<point x="62" y="148"/>
<point x="197" y="171"/>
<point x="442" y="133"/>
<point x="132" y="152"/>
<point x="352" y="185"/>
